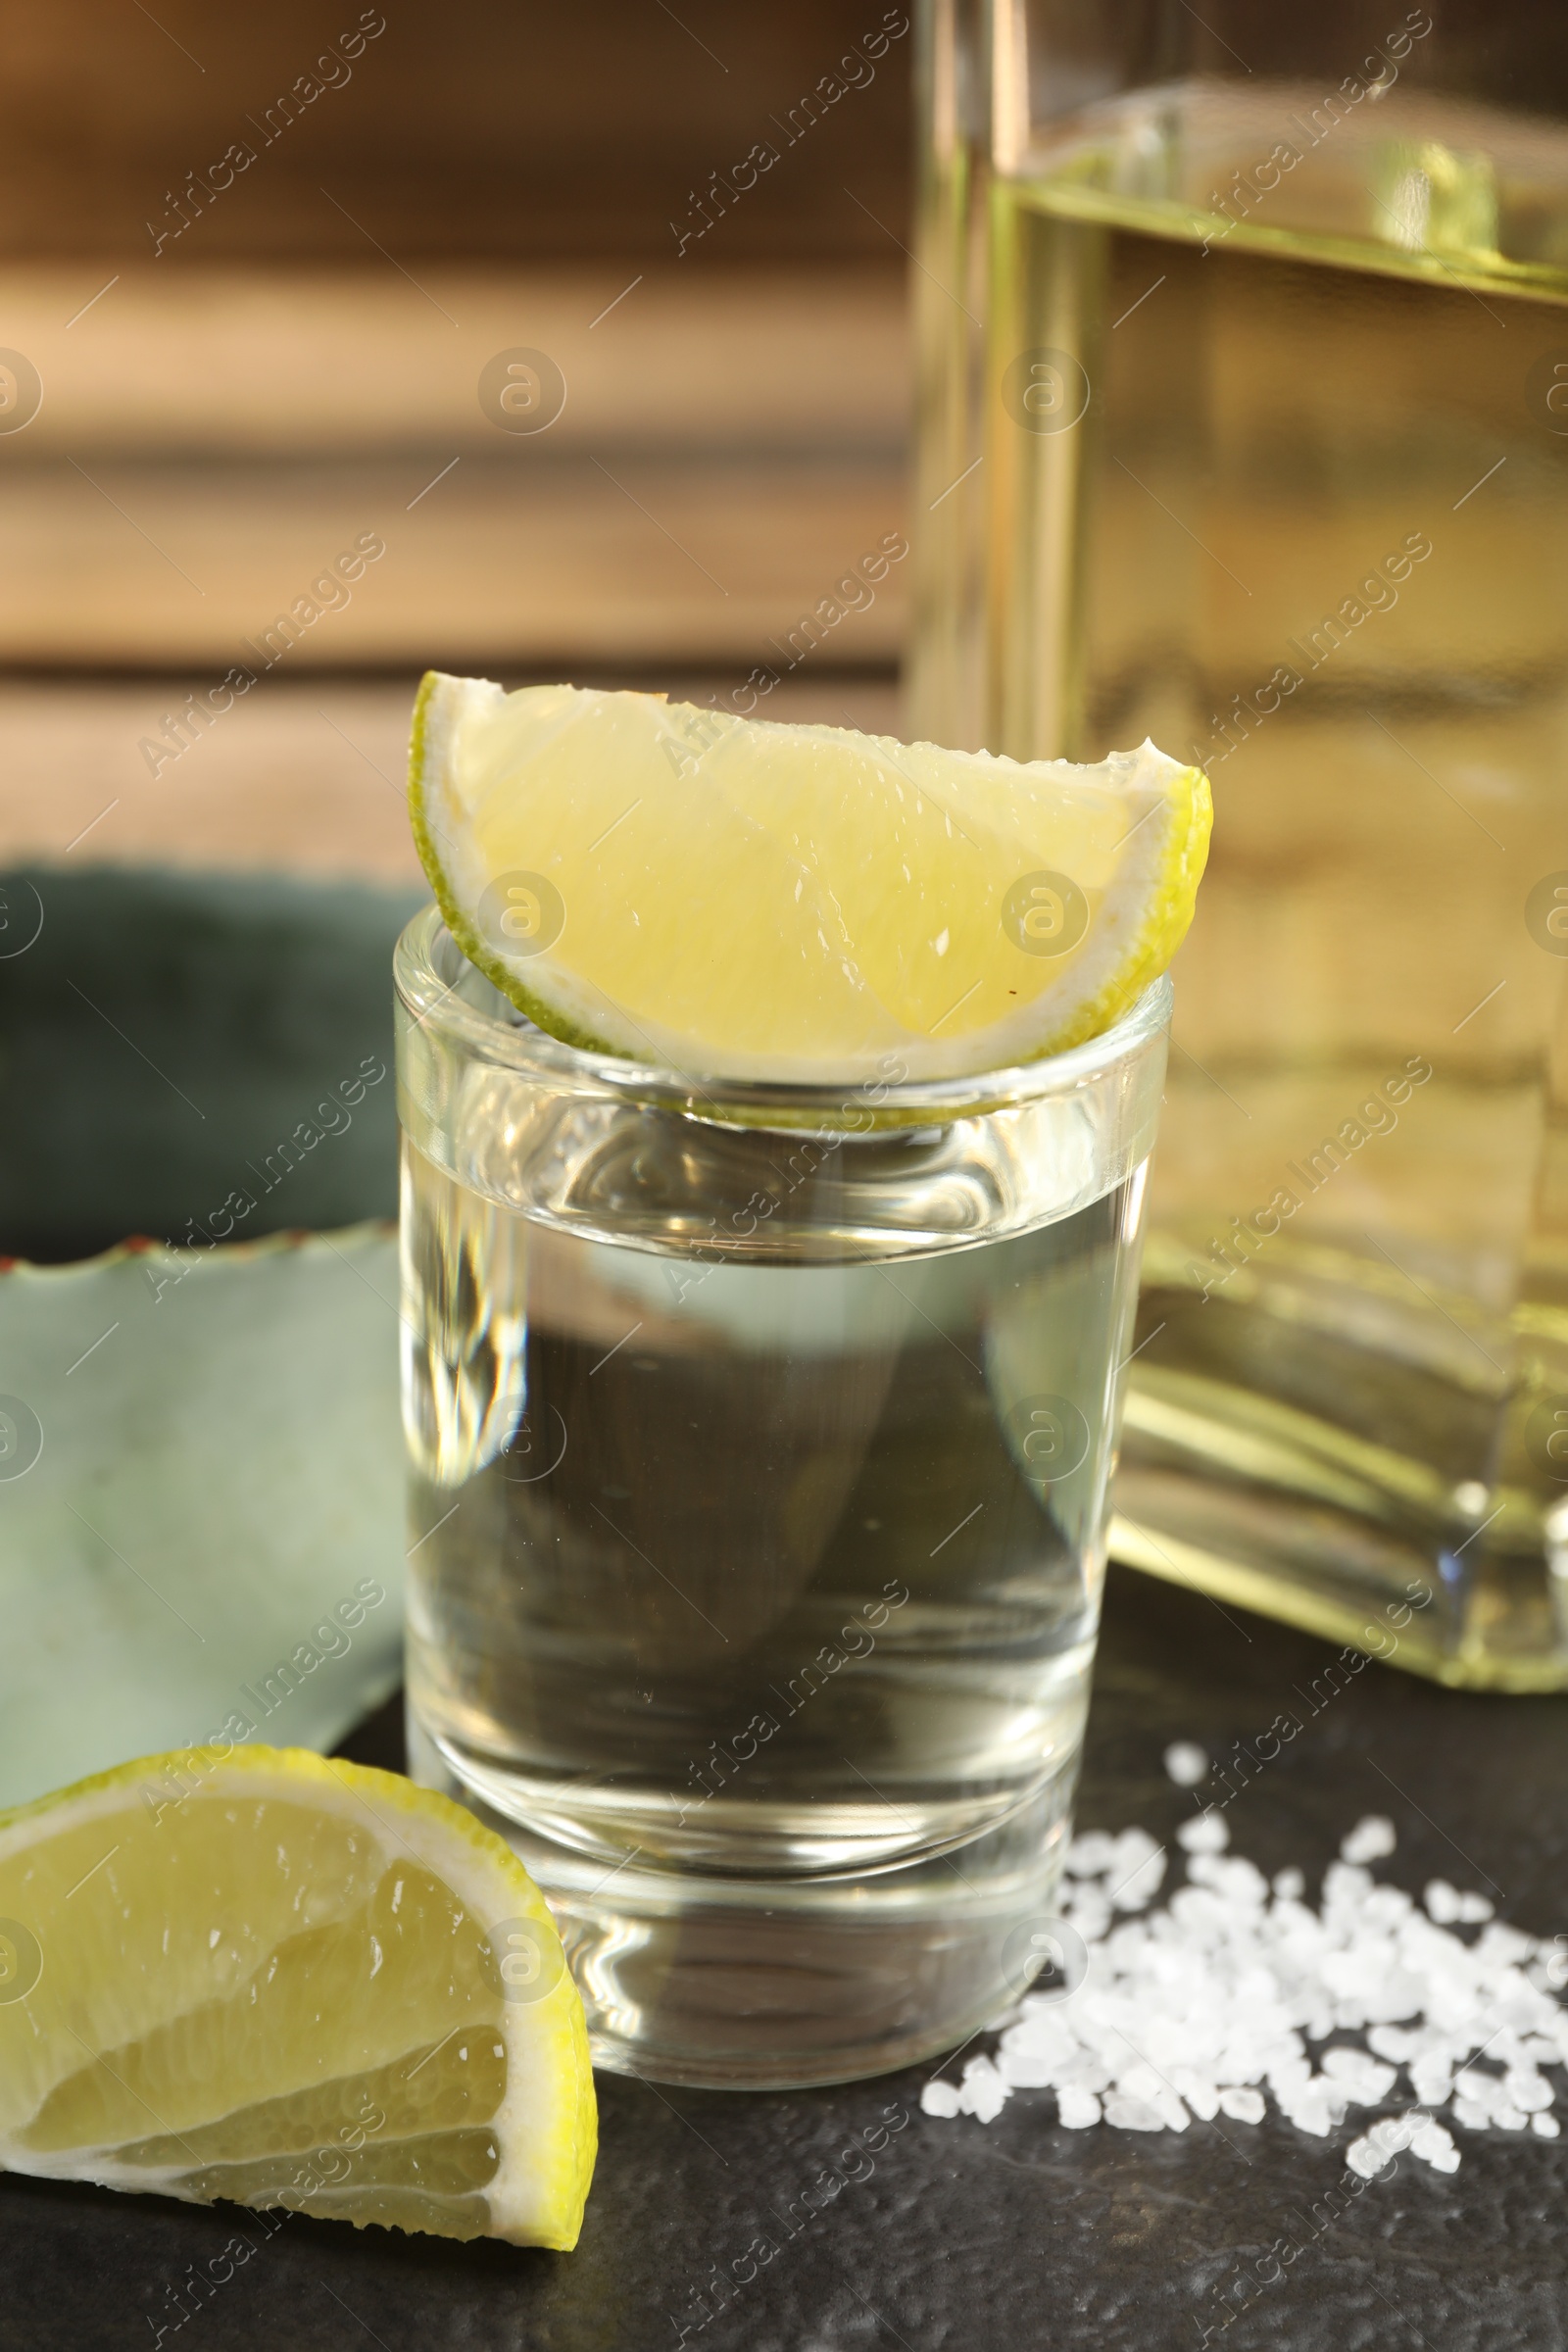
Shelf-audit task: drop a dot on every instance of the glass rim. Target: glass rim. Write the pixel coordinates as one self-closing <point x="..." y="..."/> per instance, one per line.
<point x="516" y="1044"/>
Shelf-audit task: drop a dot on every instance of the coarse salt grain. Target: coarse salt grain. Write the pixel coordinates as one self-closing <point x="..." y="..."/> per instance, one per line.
<point x="1435" y="2146"/>
<point x="1090" y="1854"/>
<point x="1186" y="1763"/>
<point x="940" y="2098"/>
<point x="983" y="2093"/>
<point x="1135" y="1871"/>
<point x="1365" y="2083"/>
<point x="1191" y="2010"/>
<point x="1131" y="2115"/>
<point x="1076" y="2107"/>
<point x="1369" y="1841"/>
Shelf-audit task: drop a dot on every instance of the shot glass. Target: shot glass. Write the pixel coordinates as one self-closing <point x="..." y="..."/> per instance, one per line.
<point x="759" y="1443"/>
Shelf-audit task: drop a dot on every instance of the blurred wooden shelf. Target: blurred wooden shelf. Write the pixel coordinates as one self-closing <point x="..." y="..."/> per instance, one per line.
<point x="501" y="561"/>
<point x="513" y="129"/>
<point x="289" y="362"/>
<point x="207" y="443"/>
<point x="304" y="776"/>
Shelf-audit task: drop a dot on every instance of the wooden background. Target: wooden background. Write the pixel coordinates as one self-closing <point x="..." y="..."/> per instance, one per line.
<point x="300" y="363"/>
<point x="507" y="131"/>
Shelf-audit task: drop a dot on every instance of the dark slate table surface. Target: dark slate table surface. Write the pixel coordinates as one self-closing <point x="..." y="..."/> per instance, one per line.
<point x="1018" y="2234"/>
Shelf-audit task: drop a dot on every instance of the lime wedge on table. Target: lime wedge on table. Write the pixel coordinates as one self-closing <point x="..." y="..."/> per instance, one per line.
<point x="287" y="1981"/>
<point x="799" y="903"/>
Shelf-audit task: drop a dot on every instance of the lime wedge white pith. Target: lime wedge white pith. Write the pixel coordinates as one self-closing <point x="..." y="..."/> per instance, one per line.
<point x="288" y="1981"/>
<point x="794" y="903"/>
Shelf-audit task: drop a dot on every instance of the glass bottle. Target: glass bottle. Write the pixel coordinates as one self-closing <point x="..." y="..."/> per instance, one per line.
<point x="1244" y="424"/>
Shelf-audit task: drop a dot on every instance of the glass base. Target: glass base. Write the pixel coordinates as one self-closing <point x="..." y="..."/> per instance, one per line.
<point x="782" y="1984"/>
<point x="1265" y="1558"/>
<point x="1312" y="1452"/>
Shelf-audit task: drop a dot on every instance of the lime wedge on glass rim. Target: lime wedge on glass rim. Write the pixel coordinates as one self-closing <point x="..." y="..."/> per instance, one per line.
<point x="290" y="1982"/>
<point x="730" y="898"/>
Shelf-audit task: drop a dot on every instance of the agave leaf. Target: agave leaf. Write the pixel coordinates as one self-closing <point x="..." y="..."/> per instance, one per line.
<point x="201" y="1500"/>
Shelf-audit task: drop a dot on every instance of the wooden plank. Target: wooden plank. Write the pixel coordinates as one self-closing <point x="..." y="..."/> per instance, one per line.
<point x="496" y="563"/>
<point x="289" y="362"/>
<point x="302" y="777"/>
<point x="503" y="127"/>
<point x="205" y="450"/>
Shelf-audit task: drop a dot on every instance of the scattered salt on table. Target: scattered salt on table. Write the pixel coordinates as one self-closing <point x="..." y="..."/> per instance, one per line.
<point x="1205" y="2007"/>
